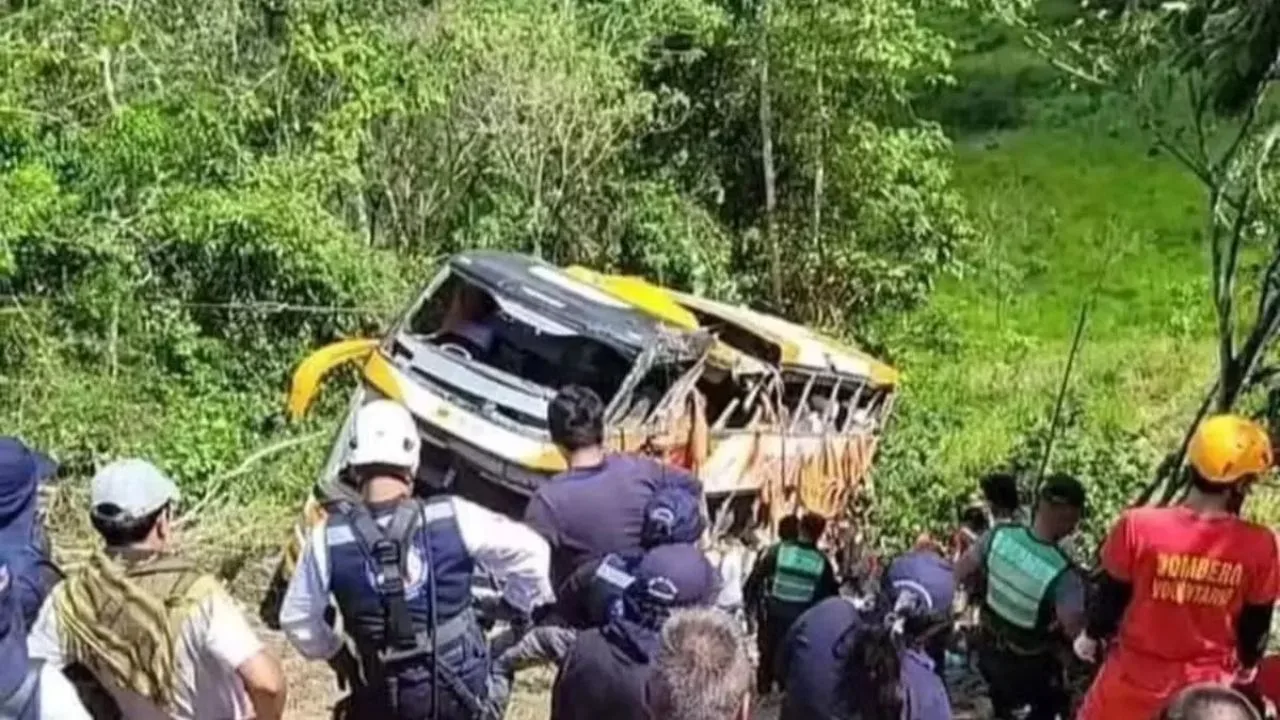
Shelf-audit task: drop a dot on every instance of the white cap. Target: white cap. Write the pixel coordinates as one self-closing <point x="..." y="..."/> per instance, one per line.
<point x="385" y="434"/>
<point x="130" y="490"/>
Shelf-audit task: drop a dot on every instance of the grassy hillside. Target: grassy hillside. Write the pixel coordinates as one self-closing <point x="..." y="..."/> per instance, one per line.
<point x="1075" y="207"/>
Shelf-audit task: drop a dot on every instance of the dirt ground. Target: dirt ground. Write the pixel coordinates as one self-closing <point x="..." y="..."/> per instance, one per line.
<point x="313" y="692"/>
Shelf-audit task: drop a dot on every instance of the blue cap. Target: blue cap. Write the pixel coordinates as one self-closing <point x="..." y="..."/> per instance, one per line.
<point x="695" y="580"/>
<point x="926" y="574"/>
<point x="22" y="469"/>
<point x="672" y="515"/>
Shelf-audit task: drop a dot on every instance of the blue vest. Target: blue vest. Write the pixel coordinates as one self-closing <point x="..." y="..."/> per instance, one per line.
<point x="434" y="551"/>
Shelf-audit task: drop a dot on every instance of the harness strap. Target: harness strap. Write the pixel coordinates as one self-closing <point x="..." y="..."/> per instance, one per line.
<point x="388" y="550"/>
<point x="16" y="704"/>
<point x="446" y="634"/>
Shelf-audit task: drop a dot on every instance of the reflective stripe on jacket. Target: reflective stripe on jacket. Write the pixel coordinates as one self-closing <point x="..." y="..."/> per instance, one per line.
<point x="797" y="574"/>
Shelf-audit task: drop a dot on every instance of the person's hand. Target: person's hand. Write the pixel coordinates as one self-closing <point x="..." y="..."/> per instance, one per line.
<point x="926" y="542"/>
<point x="1085" y="648"/>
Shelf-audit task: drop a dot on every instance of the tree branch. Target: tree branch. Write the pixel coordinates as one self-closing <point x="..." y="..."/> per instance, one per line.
<point x="108" y="84"/>
<point x="1167" y="475"/>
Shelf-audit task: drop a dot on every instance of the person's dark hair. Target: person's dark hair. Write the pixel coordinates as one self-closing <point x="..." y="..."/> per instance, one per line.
<point x="812" y="525"/>
<point x="789" y="528"/>
<point x="1000" y="490"/>
<point x="575" y="417"/>
<point x="482" y="300"/>
<point x="873" y="670"/>
<point x="873" y="665"/>
<point x="1207" y="700"/>
<point x="123" y="532"/>
<point x="1199" y="482"/>
<point x="975" y="520"/>
<point x="1063" y="489"/>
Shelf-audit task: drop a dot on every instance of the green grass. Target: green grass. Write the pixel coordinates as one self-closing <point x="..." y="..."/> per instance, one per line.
<point x="1074" y="206"/>
<point x="1070" y="218"/>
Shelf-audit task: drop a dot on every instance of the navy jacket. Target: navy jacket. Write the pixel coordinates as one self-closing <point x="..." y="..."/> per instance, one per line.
<point x="587" y="513"/>
<point x="13" y="644"/>
<point x="26" y="550"/>
<point x="606" y="675"/>
<point x="812" y="666"/>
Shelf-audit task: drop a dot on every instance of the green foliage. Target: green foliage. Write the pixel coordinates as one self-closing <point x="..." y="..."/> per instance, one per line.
<point x="1112" y="463"/>
<point x="194" y="195"/>
<point x="1069" y="208"/>
<point x="864" y="186"/>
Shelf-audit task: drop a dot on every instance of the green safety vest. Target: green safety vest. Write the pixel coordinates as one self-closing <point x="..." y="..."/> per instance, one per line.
<point x="1021" y="570"/>
<point x="797" y="573"/>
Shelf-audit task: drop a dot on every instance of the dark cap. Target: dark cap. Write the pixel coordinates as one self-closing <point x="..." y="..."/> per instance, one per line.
<point x="686" y="567"/>
<point x="22" y="468"/>
<point x="1063" y="489"/>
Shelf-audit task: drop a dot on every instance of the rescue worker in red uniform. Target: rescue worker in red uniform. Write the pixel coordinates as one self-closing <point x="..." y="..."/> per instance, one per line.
<point x="1186" y="591"/>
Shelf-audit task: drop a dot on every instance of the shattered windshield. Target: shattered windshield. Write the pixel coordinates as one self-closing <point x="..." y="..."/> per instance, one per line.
<point x="486" y="348"/>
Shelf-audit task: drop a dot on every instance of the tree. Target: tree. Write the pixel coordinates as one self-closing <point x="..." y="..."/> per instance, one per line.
<point x="191" y="195"/>
<point x="848" y="208"/>
<point x="1198" y="76"/>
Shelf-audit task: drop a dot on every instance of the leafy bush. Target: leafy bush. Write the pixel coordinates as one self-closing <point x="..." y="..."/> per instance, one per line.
<point x="1113" y="465"/>
<point x="194" y="194"/>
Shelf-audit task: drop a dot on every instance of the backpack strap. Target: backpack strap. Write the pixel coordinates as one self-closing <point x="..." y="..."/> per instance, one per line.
<point x="14" y="706"/>
<point x="388" y="551"/>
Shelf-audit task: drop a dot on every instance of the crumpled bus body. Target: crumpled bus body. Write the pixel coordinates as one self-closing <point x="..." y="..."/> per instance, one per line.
<point x="771" y="416"/>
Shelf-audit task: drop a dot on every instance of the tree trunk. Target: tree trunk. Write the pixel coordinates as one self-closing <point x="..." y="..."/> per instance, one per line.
<point x="766" y="159"/>
<point x="819" y="169"/>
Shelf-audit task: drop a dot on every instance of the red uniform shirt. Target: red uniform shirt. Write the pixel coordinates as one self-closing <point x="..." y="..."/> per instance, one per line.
<point x="1268" y="682"/>
<point x="1191" y="574"/>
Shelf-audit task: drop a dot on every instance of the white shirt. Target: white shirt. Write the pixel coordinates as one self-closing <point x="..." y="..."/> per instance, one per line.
<point x="58" y="698"/>
<point x="516" y="555"/>
<point x="214" y="640"/>
<point x="732" y="565"/>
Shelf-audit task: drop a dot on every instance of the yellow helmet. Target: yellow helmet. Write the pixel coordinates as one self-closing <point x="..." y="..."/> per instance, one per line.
<point x="1228" y="448"/>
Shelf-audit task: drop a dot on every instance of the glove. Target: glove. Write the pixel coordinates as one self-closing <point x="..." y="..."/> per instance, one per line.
<point x="347" y="668"/>
<point x="1085" y="648"/>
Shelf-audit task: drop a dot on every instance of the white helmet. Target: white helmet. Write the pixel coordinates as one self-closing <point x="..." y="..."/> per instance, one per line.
<point x="385" y="434"/>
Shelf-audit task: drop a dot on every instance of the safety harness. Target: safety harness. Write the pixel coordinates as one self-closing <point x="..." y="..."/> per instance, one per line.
<point x="403" y="645"/>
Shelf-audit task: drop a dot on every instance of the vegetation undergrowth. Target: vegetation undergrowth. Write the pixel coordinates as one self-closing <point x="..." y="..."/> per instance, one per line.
<point x="1076" y="207"/>
<point x="193" y="197"/>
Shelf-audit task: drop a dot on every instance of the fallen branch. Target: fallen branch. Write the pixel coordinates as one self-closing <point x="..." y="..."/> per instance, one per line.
<point x="217" y="484"/>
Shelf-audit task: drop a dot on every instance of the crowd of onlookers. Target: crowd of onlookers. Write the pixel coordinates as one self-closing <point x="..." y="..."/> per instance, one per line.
<point x="606" y="579"/>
